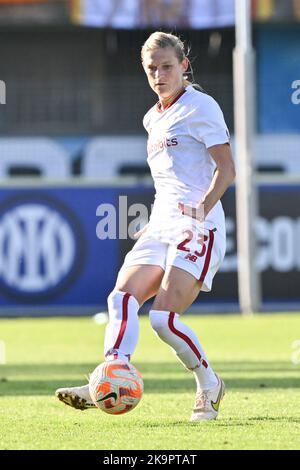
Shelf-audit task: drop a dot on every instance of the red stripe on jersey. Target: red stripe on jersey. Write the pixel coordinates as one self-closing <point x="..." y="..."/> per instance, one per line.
<point x="185" y="338"/>
<point x="158" y="106"/>
<point x="124" y="320"/>
<point x="208" y="255"/>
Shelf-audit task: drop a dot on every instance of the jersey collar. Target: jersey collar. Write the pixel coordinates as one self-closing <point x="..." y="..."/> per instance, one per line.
<point x="158" y="105"/>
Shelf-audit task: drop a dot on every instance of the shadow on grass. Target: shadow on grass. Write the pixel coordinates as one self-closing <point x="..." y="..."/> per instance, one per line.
<point x="287" y="419"/>
<point x="254" y="421"/>
<point x="44" y="379"/>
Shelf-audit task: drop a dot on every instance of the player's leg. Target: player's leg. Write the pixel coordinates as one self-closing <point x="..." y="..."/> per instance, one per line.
<point x="121" y="336"/>
<point x="181" y="285"/>
<point x="178" y="291"/>
<point x="138" y="280"/>
<point x="135" y="285"/>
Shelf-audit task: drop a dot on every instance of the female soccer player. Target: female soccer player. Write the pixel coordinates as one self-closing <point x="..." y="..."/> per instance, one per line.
<point x="182" y="247"/>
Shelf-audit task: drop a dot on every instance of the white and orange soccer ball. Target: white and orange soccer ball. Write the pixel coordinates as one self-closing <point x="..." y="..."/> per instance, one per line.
<point x="116" y="387"/>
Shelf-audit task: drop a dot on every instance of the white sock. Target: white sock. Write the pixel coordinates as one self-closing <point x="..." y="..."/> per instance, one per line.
<point x="122" y="331"/>
<point x="186" y="346"/>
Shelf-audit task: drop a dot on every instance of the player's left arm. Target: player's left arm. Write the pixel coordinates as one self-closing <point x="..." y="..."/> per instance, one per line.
<point x="223" y="178"/>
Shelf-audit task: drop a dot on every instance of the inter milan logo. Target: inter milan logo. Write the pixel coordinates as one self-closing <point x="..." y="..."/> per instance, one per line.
<point x="37" y="248"/>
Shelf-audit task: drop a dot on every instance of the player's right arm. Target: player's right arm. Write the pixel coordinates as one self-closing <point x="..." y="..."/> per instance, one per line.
<point x="138" y="234"/>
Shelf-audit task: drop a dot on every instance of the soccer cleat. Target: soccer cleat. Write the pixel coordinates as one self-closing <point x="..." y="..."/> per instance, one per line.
<point x="207" y="403"/>
<point x="77" y="397"/>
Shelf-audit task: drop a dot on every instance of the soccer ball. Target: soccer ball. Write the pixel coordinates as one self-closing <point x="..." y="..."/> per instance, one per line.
<point x="116" y="387"/>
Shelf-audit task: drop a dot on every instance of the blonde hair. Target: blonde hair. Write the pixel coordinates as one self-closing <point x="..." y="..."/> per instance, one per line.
<point x="162" y="40"/>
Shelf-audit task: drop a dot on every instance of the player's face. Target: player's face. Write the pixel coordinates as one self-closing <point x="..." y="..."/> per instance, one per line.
<point x="164" y="71"/>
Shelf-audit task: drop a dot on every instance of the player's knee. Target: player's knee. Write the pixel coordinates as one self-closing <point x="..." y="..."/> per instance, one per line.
<point x="119" y="301"/>
<point x="159" y="321"/>
<point x="111" y="300"/>
<point x="169" y="299"/>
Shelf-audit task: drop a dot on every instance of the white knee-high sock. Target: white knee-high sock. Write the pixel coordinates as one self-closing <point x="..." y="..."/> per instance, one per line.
<point x="122" y="331"/>
<point x="186" y="346"/>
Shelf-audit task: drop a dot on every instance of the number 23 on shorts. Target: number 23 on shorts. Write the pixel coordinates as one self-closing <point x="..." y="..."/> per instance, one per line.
<point x="201" y="241"/>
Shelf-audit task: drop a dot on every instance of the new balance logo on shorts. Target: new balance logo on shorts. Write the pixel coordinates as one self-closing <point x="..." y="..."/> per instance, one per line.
<point x="192" y="258"/>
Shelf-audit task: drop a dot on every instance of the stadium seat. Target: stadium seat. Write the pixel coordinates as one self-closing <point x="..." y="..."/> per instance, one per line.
<point x="276" y="150"/>
<point x="108" y="157"/>
<point x="35" y="157"/>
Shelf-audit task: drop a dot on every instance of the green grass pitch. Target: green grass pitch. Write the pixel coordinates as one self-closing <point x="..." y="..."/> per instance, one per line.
<point x="261" y="409"/>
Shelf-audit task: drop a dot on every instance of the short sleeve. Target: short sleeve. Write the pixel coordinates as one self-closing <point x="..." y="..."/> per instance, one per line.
<point x="148" y="119"/>
<point x="207" y="123"/>
<point x="146" y="122"/>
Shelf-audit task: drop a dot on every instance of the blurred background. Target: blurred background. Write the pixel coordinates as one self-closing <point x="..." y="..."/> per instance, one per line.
<point x="73" y="95"/>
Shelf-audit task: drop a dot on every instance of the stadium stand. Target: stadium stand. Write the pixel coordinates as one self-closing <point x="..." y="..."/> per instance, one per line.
<point x="276" y="150"/>
<point x="106" y="157"/>
<point x="33" y="157"/>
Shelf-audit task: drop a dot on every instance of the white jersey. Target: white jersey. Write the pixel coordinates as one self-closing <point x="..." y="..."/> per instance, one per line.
<point x="181" y="166"/>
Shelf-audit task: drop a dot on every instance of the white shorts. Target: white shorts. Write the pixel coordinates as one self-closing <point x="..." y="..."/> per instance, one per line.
<point x="202" y="261"/>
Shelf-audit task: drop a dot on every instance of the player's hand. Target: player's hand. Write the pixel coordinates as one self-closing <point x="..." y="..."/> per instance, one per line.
<point x="138" y="234"/>
<point x="194" y="212"/>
